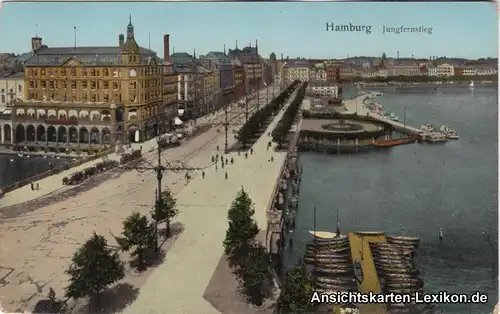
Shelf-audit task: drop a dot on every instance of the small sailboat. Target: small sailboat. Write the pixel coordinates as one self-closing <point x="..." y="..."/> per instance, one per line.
<point x="471" y="85"/>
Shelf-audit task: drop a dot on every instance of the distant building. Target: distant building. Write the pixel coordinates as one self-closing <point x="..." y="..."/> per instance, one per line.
<point x="407" y="67"/>
<point x="298" y="70"/>
<point x="11" y="89"/>
<point x="224" y="67"/>
<point x="252" y="63"/>
<point x="324" y="89"/>
<point x="445" y="69"/>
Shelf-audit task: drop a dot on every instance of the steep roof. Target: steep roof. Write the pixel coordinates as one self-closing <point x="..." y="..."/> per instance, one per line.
<point x="57" y="56"/>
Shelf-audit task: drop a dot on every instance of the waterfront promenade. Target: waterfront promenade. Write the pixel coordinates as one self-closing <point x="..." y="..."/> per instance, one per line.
<point x="178" y="285"/>
<point x="37" y="246"/>
<point x="357" y="104"/>
<point x="53" y="183"/>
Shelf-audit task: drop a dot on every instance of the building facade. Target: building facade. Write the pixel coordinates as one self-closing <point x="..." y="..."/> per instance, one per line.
<point x="239" y="79"/>
<point x="298" y="70"/>
<point x="11" y="88"/>
<point x="249" y="57"/>
<point x="224" y="66"/>
<point x="324" y="89"/>
<point x="82" y="98"/>
<point x="445" y="69"/>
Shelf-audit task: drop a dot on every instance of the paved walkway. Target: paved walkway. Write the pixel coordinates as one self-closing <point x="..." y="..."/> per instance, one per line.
<point x="177" y="286"/>
<point x="40" y="242"/>
<point x="53" y="183"/>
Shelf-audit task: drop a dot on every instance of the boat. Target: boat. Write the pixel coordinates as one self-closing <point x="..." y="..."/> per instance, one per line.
<point x="337" y="280"/>
<point x="427" y="128"/>
<point x="393" y="270"/>
<point x="334" y="271"/>
<point x="311" y="259"/>
<point x="335" y="265"/>
<point x="406" y="291"/>
<point x="435" y="138"/>
<point x="327" y="250"/>
<point x="449" y="132"/>
<point x="410" y="240"/>
<point x="322" y="246"/>
<point x="394" y="142"/>
<point x="471" y="85"/>
<point x="393" y="117"/>
<point x="340" y="287"/>
<point x="404" y="280"/>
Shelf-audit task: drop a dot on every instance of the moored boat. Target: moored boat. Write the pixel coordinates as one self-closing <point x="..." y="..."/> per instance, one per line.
<point x="334" y="271"/>
<point x="340" y="287"/>
<point x="403" y="239"/>
<point x="336" y="281"/>
<point x="311" y="259"/>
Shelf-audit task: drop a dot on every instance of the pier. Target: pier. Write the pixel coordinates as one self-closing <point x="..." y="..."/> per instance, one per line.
<point x="361" y="253"/>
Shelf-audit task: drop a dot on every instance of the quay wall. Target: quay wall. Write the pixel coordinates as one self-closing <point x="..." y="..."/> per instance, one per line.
<point x="275" y="212"/>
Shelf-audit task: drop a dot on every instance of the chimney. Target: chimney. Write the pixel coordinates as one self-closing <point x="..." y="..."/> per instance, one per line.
<point x="36" y="43"/>
<point x="166" y="47"/>
<point x="121" y="40"/>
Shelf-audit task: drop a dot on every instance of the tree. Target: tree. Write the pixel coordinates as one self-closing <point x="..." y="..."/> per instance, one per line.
<point x="94" y="266"/>
<point x="254" y="273"/>
<point x="296" y="292"/>
<point x="138" y="233"/>
<point x="165" y="210"/>
<point x="242" y="228"/>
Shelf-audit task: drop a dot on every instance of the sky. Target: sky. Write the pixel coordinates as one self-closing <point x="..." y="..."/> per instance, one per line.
<point x="296" y="29"/>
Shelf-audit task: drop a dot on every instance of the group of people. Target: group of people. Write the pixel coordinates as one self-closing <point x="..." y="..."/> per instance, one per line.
<point x="35" y="187"/>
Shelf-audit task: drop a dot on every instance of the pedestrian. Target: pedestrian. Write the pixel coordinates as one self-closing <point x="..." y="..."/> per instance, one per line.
<point x="222" y="164"/>
<point x="216" y="168"/>
<point x="246" y="155"/>
<point x="291" y="242"/>
<point x="37" y="186"/>
<point x="272" y="158"/>
<point x="213" y="159"/>
<point x="232" y="160"/>
<point x="203" y="174"/>
<point x="217" y="147"/>
<point x="226" y="161"/>
<point x="251" y="151"/>
<point x="32" y="186"/>
<point x="226" y="175"/>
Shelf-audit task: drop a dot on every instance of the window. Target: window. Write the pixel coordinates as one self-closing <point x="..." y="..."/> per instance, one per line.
<point x="94" y="97"/>
<point x="115" y="85"/>
<point x="51" y="84"/>
<point x="84" y="72"/>
<point x="85" y="97"/>
<point x="31" y="95"/>
<point x="106" y="97"/>
<point x="73" y="72"/>
<point x="3" y="99"/>
<point x="19" y="88"/>
<point x="63" y="84"/>
<point x="133" y="85"/>
<point x="105" y="84"/>
<point x="42" y="72"/>
<point x="92" y="72"/>
<point x="105" y="72"/>
<point x="51" y="72"/>
<point x="32" y="84"/>
<point x="73" y="84"/>
<point x="44" y="84"/>
<point x="73" y="97"/>
<point x="84" y="84"/>
<point x="93" y="85"/>
<point x="63" y="72"/>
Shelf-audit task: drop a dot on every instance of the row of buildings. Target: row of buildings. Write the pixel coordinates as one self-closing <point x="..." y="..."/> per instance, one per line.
<point x="81" y="98"/>
<point x="334" y="71"/>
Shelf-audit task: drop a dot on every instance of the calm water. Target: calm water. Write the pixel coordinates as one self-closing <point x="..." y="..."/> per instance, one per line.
<point x="14" y="168"/>
<point x="420" y="188"/>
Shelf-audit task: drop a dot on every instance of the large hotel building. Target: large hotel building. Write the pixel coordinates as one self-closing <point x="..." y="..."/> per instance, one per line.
<point x="85" y="98"/>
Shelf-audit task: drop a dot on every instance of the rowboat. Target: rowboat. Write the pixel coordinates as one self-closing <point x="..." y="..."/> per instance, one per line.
<point x="337" y="281"/>
<point x="334" y="271"/>
<point x="320" y="246"/>
<point x="309" y="260"/>
<point x="328" y="250"/>
<point x="344" y="256"/>
<point x="341" y="287"/>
